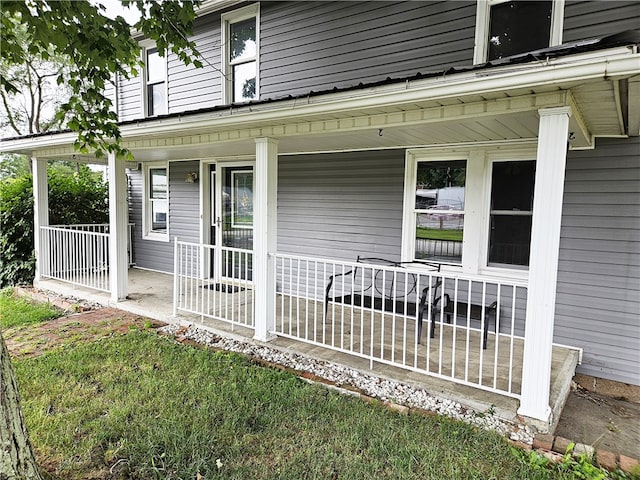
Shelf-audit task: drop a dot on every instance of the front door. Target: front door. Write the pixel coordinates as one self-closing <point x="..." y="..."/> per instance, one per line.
<point x="232" y="221"/>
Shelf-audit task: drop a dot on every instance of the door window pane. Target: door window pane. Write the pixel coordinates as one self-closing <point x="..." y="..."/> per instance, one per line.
<point x="518" y="27"/>
<point x="439" y="210"/>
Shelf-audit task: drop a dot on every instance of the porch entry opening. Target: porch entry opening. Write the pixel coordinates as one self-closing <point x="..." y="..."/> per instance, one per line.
<point x="231" y="225"/>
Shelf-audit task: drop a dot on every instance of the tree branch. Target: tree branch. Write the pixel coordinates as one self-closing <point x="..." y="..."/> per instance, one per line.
<point x="12" y="122"/>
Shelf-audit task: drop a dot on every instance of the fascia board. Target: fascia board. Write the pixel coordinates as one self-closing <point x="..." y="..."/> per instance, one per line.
<point x="27" y="145"/>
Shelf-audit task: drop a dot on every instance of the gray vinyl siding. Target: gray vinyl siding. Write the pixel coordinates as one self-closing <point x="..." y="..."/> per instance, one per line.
<point x="129" y="98"/>
<point x="598" y="294"/>
<point x="184" y="216"/>
<point x="110" y="93"/>
<point x="595" y="18"/>
<point x="194" y="88"/>
<point x="184" y="202"/>
<point x="320" y="45"/>
<point x="341" y="205"/>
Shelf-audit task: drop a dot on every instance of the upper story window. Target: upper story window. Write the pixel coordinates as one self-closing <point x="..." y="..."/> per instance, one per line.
<point x="156" y="205"/>
<point x="155" y="83"/>
<point x="240" y="40"/>
<point x="471" y="211"/>
<point x="507" y="27"/>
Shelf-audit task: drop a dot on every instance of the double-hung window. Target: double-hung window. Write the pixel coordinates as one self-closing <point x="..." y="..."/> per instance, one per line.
<point x="240" y="40"/>
<point x="510" y="27"/>
<point x="155" y="83"/>
<point x="471" y="211"/>
<point x="156" y="204"/>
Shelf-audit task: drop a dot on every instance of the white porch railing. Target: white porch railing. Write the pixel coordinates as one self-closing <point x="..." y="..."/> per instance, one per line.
<point x="374" y="312"/>
<point x="214" y="282"/>
<point x="78" y="254"/>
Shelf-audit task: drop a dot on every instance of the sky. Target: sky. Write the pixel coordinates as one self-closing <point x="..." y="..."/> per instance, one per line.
<point x="115" y="8"/>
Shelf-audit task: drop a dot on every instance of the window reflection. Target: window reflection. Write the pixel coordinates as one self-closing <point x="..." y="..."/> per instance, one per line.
<point x="439" y="210"/>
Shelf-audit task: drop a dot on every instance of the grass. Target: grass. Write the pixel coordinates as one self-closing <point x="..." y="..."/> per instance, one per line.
<point x="437" y="234"/>
<point x="145" y="407"/>
<point x="18" y="311"/>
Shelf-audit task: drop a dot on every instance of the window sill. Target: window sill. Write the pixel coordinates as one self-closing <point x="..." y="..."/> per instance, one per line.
<point x="156" y="237"/>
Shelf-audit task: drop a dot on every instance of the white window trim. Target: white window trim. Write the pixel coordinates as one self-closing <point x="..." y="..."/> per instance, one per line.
<point x="147" y="233"/>
<point x="483" y="9"/>
<point x="475" y="244"/>
<point x="227" y="19"/>
<point x="146" y="45"/>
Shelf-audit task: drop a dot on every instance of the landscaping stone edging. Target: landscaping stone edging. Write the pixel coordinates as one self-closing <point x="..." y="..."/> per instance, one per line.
<point x="396" y="395"/>
<point x="554" y="447"/>
<point x="66" y="304"/>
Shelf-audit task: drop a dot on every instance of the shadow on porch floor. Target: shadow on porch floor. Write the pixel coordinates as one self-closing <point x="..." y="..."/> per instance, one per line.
<point x="151" y="295"/>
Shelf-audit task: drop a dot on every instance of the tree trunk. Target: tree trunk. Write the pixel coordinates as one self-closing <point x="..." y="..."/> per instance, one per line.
<point x="16" y="456"/>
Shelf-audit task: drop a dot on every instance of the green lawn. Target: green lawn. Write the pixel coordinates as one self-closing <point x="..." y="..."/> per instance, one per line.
<point x="163" y="410"/>
<point x="16" y="311"/>
<point x="141" y="406"/>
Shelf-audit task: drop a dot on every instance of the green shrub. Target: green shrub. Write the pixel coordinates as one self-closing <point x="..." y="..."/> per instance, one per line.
<point x="17" y="262"/>
<point x="80" y="197"/>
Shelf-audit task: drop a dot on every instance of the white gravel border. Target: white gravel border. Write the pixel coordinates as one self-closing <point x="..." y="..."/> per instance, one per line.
<point x="370" y="385"/>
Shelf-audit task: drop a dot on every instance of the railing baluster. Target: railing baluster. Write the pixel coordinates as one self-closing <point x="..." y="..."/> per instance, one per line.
<point x="497" y="338"/>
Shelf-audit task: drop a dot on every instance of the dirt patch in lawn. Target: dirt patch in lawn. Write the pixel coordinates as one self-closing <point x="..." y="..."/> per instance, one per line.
<point x="32" y="340"/>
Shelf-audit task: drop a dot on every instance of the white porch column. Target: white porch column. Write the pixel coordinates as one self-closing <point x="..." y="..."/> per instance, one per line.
<point x="543" y="265"/>
<point x="118" y="228"/>
<point x="41" y="213"/>
<point x="264" y="236"/>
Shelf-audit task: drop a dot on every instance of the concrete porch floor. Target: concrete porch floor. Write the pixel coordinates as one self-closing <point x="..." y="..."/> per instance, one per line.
<point x="151" y="295"/>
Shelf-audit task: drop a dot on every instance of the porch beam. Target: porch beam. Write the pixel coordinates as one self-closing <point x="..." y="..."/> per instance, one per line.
<point x="264" y="236"/>
<point x="40" y="212"/>
<point x="118" y="228"/>
<point x="543" y="266"/>
<point x="415" y="114"/>
<point x="425" y="112"/>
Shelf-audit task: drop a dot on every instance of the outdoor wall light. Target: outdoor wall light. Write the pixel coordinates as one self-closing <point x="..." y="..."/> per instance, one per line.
<point x="192" y="177"/>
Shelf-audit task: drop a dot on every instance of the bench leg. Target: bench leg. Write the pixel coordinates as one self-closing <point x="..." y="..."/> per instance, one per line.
<point x="433" y="324"/>
<point x="484" y="334"/>
<point x="486" y="330"/>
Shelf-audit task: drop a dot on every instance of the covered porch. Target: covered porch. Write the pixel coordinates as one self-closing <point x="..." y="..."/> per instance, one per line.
<point x="542" y="109"/>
